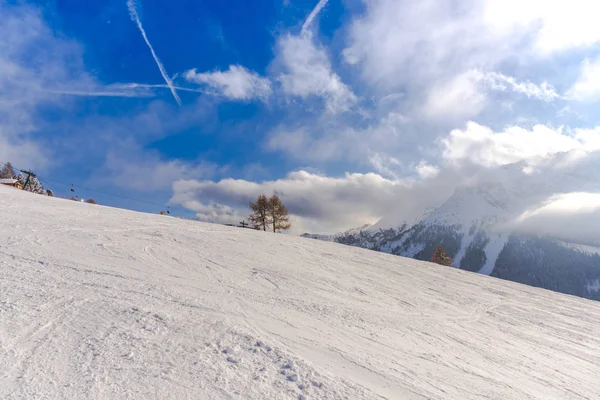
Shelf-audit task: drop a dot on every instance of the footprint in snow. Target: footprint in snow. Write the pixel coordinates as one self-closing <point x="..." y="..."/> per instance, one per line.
<point x="232" y="360"/>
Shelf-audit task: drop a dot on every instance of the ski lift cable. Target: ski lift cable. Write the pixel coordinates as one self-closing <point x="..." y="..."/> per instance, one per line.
<point x="73" y="186"/>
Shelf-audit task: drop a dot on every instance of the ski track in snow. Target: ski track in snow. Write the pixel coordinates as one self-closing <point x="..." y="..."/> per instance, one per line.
<point x="492" y="251"/>
<point x="102" y="303"/>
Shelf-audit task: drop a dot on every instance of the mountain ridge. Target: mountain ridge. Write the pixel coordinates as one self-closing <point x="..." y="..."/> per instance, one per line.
<point x="475" y="226"/>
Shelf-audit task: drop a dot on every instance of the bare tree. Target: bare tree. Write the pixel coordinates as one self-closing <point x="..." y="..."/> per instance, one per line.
<point x="260" y="213"/>
<point x="440" y="257"/>
<point x="278" y="214"/>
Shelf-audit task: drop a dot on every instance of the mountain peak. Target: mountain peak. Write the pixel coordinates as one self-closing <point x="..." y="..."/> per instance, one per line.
<point x="469" y="204"/>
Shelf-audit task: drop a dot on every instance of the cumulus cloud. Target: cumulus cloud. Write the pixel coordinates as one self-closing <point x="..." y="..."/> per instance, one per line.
<point x="396" y="42"/>
<point x="553" y="26"/>
<point x="452" y="61"/>
<point x="573" y="216"/>
<point x="215" y="212"/>
<point x="587" y="87"/>
<point x="408" y="43"/>
<point x="543" y="202"/>
<point x="589" y="138"/>
<point x="321" y="202"/>
<point x="426" y="170"/>
<point x="236" y="83"/>
<point x="533" y="166"/>
<point x="460" y="97"/>
<point x="481" y="145"/>
<point x="465" y="95"/>
<point x="307" y="72"/>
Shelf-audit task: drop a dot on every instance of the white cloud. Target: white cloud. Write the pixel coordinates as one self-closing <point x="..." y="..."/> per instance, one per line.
<point x="543" y="169"/>
<point x="426" y="170"/>
<point x="399" y="43"/>
<point x="573" y="216"/>
<point x="403" y="44"/>
<point x="22" y="152"/>
<point x="544" y="91"/>
<point x="213" y="212"/>
<point x="316" y="201"/>
<point x="236" y="83"/>
<point x="589" y="138"/>
<point x="560" y="191"/>
<point x="460" y="97"/>
<point x="308" y="72"/>
<point x="386" y="165"/>
<point x="587" y="87"/>
<point x="302" y="144"/>
<point x="464" y="95"/>
<point x="554" y="25"/>
<point x="22" y="82"/>
<point x="481" y="145"/>
<point x="333" y="140"/>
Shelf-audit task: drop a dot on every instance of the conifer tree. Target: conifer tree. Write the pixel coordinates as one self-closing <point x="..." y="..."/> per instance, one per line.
<point x="278" y="214"/>
<point x="21" y="179"/>
<point x="7" y="171"/>
<point x="260" y="213"/>
<point x="32" y="185"/>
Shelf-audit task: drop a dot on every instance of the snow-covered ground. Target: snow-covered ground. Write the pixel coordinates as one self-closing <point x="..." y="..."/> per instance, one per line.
<point x="101" y="303"/>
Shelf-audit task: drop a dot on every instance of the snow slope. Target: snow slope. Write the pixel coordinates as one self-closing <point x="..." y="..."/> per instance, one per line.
<point x="101" y="303"/>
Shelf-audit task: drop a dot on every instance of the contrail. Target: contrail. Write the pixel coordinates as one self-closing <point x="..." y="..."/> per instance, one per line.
<point x="157" y="86"/>
<point x="136" y="18"/>
<point x="312" y="15"/>
<point x="95" y="94"/>
<point x="104" y="91"/>
<point x="118" y="90"/>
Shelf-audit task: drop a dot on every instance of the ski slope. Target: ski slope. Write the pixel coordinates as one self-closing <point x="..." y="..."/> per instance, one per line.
<point x="102" y="303"/>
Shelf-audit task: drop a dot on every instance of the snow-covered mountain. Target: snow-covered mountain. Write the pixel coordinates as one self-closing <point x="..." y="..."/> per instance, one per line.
<point x="102" y="303"/>
<point x="475" y="226"/>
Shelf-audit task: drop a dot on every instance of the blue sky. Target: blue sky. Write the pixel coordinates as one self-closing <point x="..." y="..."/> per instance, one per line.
<point x="349" y="109"/>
